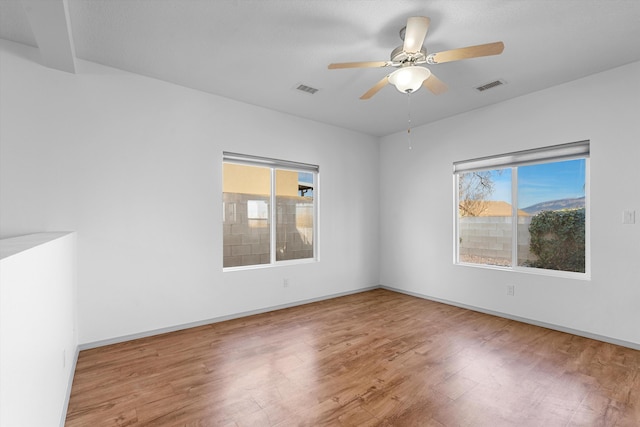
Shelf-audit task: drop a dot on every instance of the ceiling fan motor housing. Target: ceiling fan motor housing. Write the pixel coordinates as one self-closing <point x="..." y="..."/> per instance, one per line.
<point x="398" y="55"/>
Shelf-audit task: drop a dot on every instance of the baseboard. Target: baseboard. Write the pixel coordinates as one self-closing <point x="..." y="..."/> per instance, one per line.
<point x="72" y="371"/>
<point x="623" y="343"/>
<point x="124" y="338"/>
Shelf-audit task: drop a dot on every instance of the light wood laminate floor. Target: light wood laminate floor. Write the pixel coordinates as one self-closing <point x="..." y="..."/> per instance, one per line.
<point x="377" y="358"/>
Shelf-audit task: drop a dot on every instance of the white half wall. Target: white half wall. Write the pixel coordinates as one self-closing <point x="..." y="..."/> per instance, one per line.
<point x="133" y="165"/>
<point x="417" y="207"/>
<point x="38" y="328"/>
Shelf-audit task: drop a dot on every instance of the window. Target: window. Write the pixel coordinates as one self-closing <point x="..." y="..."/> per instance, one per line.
<point x="269" y="211"/>
<point x="525" y="211"/>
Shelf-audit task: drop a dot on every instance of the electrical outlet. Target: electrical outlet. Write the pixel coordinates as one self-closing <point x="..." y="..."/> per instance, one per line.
<point x="628" y="217"/>
<point x="285" y="282"/>
<point x="511" y="290"/>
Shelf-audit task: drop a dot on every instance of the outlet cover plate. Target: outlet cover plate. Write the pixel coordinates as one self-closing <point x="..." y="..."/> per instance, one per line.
<point x="628" y="217"/>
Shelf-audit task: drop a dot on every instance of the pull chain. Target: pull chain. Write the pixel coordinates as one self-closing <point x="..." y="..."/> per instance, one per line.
<point x="409" y="120"/>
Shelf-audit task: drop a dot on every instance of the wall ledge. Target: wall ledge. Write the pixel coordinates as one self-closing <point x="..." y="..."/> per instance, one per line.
<point x="14" y="245"/>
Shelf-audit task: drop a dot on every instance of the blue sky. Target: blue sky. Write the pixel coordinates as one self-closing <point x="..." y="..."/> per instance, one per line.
<point x="305" y="177"/>
<point x="542" y="182"/>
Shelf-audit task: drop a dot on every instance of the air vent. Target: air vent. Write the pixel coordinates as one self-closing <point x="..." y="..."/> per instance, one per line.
<point x="308" y="89"/>
<point x="490" y="85"/>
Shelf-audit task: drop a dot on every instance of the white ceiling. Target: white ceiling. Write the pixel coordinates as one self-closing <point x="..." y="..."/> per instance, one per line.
<point x="258" y="51"/>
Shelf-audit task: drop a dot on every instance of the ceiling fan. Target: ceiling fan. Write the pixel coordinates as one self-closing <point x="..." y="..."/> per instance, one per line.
<point x="410" y="76"/>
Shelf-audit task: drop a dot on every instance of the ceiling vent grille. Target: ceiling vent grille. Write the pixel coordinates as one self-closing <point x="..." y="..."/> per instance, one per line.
<point x="308" y="89"/>
<point x="490" y="85"/>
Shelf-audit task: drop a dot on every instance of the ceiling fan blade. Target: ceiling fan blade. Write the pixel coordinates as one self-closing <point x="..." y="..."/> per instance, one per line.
<point x="369" y="64"/>
<point x="435" y="85"/>
<point x="466" y="53"/>
<point x="382" y="83"/>
<point x="415" y="33"/>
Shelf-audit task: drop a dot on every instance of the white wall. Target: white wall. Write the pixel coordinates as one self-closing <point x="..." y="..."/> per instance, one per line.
<point x="416" y="205"/>
<point x="133" y="165"/>
<point x="38" y="335"/>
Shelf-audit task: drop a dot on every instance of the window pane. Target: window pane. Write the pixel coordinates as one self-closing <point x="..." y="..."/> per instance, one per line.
<point x="551" y="215"/>
<point x="246" y="192"/>
<point x="294" y="215"/>
<point x="485" y="217"/>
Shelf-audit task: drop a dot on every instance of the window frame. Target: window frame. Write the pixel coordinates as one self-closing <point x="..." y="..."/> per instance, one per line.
<point x="544" y="155"/>
<point x="274" y="165"/>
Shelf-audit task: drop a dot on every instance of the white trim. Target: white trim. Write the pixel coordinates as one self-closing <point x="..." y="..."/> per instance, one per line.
<point x="587" y="218"/>
<point x="568" y="151"/>
<point x="530" y="270"/>
<point x="273" y="237"/>
<point x="316" y="213"/>
<point x="456" y="219"/>
<point x="125" y="338"/>
<point x="145" y="334"/>
<point x="271" y="265"/>
<point x="245" y="159"/>
<point x="578" y="332"/>
<point x="67" y="397"/>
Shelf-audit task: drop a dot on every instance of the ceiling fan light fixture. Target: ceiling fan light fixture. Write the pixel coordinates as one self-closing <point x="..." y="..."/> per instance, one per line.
<point x="409" y="79"/>
<point x="411" y="76"/>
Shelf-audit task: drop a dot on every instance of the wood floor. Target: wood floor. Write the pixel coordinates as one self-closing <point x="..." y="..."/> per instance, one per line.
<point x="377" y="358"/>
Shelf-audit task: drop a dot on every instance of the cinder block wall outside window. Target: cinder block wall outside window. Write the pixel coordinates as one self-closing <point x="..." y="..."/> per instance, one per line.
<point x="246" y="240"/>
<point x="484" y="236"/>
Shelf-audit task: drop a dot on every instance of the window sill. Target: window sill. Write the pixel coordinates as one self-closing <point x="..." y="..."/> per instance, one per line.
<point x="276" y="264"/>
<point x="534" y="271"/>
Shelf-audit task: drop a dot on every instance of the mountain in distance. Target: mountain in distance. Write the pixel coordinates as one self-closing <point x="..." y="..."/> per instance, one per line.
<point x="555" y="205"/>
